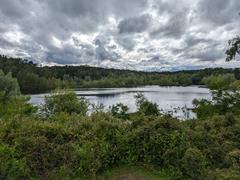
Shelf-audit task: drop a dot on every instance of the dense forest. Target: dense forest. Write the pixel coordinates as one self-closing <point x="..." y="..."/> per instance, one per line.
<point x="35" y="79"/>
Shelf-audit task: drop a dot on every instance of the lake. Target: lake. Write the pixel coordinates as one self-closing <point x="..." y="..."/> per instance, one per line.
<point x="174" y="100"/>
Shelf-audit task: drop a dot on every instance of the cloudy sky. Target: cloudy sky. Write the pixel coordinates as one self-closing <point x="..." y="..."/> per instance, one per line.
<point x="131" y="34"/>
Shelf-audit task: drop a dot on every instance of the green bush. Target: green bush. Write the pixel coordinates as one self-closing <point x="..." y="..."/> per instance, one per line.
<point x="120" y="111"/>
<point x="8" y="86"/>
<point x="11" y="165"/>
<point x="17" y="106"/>
<point x="67" y="102"/>
<point x="194" y="164"/>
<point x="222" y="102"/>
<point x="219" y="81"/>
<point x="233" y="158"/>
<point x="146" y="107"/>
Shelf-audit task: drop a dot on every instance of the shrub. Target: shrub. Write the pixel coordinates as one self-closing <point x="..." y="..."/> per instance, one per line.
<point x="235" y="85"/>
<point x="222" y="102"/>
<point x="8" y="86"/>
<point x="67" y="102"/>
<point x="219" y="82"/>
<point x="194" y="164"/>
<point x="11" y="165"/>
<point x="146" y="107"/>
<point x="120" y="111"/>
<point x="152" y="140"/>
<point x="17" y="106"/>
<point x="203" y="108"/>
<point x="233" y="158"/>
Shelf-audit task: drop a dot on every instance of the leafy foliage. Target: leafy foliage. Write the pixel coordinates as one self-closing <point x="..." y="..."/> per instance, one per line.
<point x="17" y="106"/>
<point x="219" y="82"/>
<point x="222" y="102"/>
<point x="11" y="165"/>
<point x="120" y="111"/>
<point x="66" y="102"/>
<point x="70" y="144"/>
<point x="234" y="48"/>
<point x="146" y="107"/>
<point x="8" y="86"/>
<point x="194" y="163"/>
<point x="234" y="158"/>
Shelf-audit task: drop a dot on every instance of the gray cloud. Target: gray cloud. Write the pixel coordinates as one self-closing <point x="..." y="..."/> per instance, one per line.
<point x="176" y="16"/>
<point x="192" y="40"/>
<point x="219" y="12"/>
<point x="104" y="53"/>
<point x="127" y="42"/>
<point x="136" y="34"/>
<point x="210" y="54"/>
<point x="134" y="24"/>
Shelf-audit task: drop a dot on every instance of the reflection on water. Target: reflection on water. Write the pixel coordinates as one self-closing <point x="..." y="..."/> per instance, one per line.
<point x="175" y="100"/>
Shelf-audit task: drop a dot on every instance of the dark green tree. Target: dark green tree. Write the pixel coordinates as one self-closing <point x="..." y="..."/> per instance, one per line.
<point x="8" y="86"/>
<point x="234" y="48"/>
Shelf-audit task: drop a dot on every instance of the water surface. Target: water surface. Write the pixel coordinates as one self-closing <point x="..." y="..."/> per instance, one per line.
<point x="170" y="99"/>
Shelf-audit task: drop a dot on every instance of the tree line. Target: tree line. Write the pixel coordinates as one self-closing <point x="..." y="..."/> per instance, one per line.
<point x="35" y="79"/>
